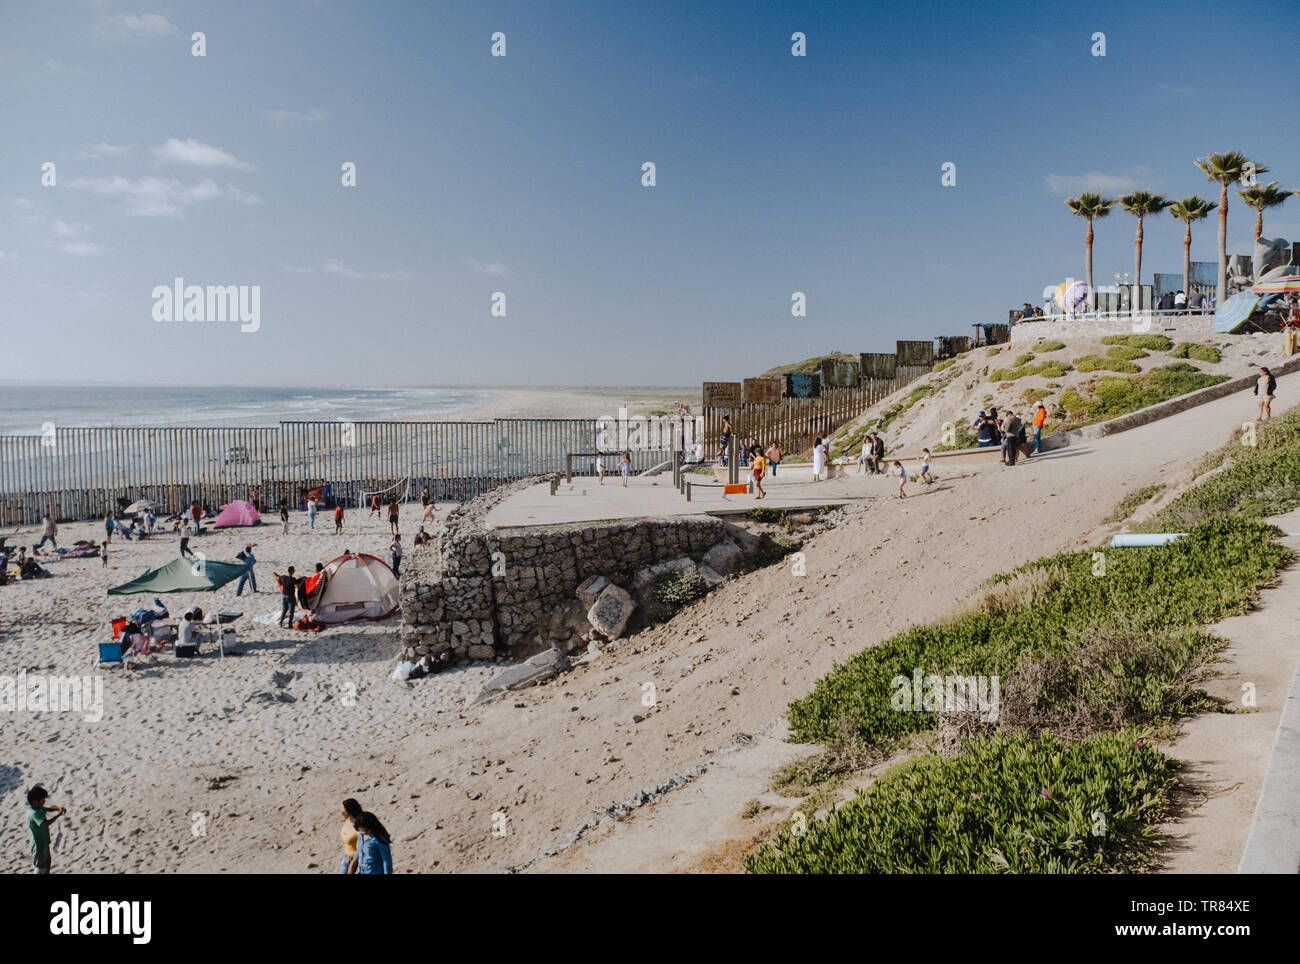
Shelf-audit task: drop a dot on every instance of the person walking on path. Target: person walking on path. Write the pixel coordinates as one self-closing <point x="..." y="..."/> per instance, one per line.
<point x="311" y="513"/>
<point x="284" y="518"/>
<point x="625" y="467"/>
<point x="1040" y="419"/>
<point x="288" y="595"/>
<point x="600" y="467"/>
<point x="392" y="516"/>
<point x="247" y="576"/>
<point x="925" y="467"/>
<point x="374" y="851"/>
<point x="773" y="457"/>
<point x="902" y="478"/>
<point x="39" y="819"/>
<point x="396" y="551"/>
<point x="348" y="831"/>
<point x="338" y="519"/>
<point x="758" y="471"/>
<point x="48" y="531"/>
<point x="1011" y="439"/>
<point x="1268" y="384"/>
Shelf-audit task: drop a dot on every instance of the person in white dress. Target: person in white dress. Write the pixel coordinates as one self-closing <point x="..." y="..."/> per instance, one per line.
<point x="819" y="460"/>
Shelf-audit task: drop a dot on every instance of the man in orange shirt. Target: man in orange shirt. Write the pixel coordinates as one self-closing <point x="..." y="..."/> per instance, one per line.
<point x="1040" y="418"/>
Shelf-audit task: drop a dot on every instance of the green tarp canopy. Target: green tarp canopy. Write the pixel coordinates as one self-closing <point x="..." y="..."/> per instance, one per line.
<point x="182" y="575"/>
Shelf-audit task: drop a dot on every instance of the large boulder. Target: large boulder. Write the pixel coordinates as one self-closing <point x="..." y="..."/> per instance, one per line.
<point x="724" y="558"/>
<point x="611" y="611"/>
<point x="590" y="590"/>
<point x="534" y="670"/>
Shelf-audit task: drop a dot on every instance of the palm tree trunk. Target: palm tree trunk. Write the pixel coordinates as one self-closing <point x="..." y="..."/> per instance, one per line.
<point x="1187" y="263"/>
<point x="1087" y="268"/>
<point x="1221" y="289"/>
<point x="1137" y="267"/>
<point x="1259" y="224"/>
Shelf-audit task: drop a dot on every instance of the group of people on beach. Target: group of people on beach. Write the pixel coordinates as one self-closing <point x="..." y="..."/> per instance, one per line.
<point x="1009" y="432"/>
<point x="367" y="844"/>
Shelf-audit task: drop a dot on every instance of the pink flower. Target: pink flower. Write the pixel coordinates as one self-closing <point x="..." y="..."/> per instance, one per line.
<point x="1045" y="793"/>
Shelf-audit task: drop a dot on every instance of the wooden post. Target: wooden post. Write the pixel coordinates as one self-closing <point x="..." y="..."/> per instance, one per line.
<point x="568" y="468"/>
<point x="688" y="491"/>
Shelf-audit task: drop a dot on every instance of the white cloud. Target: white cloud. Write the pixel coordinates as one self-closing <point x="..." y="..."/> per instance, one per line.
<point x="62" y="229"/>
<point x="81" y="248"/>
<point x="336" y="267"/>
<point x="286" y="118"/>
<point x="124" y="25"/>
<point x="489" y="267"/>
<point x="104" y="149"/>
<point x="176" y="151"/>
<point x="158" y="197"/>
<point x="1073" y="185"/>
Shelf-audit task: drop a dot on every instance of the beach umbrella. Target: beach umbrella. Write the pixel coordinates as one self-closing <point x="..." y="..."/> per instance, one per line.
<point x="1277" y="286"/>
<point x="1076" y="295"/>
<point x="1234" y="311"/>
<point x="143" y="505"/>
<point x="182" y="575"/>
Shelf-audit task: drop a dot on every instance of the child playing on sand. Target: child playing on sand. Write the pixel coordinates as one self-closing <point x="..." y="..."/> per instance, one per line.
<point x="925" y="467"/>
<point x="338" y="519"/>
<point x="103" y="555"/>
<point x="430" y="512"/>
<point x="284" y="518"/>
<point x="902" y="478"/>
<point x="38" y="822"/>
<point x="625" y="467"/>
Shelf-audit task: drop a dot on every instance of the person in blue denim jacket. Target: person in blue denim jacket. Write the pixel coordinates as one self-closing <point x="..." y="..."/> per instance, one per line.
<point x="374" y="855"/>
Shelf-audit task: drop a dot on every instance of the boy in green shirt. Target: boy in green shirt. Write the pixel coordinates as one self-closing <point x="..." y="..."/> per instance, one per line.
<point x="38" y="822"/>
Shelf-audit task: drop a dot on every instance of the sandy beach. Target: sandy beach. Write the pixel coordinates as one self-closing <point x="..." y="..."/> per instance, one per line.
<point x="238" y="765"/>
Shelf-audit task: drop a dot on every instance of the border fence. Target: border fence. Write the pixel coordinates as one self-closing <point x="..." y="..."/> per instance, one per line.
<point x="82" y="473"/>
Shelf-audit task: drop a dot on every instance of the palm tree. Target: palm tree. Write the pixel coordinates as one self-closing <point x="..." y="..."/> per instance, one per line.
<point x="1259" y="198"/>
<point x="1091" y="207"/>
<point x="1187" y="210"/>
<point x="1227" y="168"/>
<point x="1140" y="204"/>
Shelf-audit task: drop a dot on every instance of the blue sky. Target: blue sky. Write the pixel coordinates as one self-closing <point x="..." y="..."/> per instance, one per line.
<point x="522" y="174"/>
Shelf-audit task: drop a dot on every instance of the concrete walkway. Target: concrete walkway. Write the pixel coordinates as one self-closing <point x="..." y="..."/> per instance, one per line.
<point x="586" y="500"/>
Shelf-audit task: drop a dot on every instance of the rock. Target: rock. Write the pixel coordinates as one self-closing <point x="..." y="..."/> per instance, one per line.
<point x="550" y="658"/>
<point x="481" y="652"/>
<point x="710" y="577"/>
<point x="723" y="558"/>
<point x="593" y="650"/>
<point x="611" y="611"/>
<point x="590" y="590"/>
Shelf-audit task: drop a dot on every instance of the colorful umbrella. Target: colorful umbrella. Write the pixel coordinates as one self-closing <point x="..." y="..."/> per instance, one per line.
<point x="1277" y="286"/>
<point x="1234" y="311"/>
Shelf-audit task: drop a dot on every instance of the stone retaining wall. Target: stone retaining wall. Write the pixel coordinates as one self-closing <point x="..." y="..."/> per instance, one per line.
<point x="483" y="592"/>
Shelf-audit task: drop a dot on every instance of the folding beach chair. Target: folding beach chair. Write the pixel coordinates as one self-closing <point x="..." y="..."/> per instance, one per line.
<point x="111" y="653"/>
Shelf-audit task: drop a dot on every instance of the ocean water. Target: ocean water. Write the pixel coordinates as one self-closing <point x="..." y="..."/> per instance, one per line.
<point x="25" y="408"/>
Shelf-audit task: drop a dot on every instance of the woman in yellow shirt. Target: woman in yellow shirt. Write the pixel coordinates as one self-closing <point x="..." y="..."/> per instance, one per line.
<point x="351" y="810"/>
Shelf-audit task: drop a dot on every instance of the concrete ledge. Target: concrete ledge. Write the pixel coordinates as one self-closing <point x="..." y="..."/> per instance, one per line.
<point x="1154" y="413"/>
<point x="1273" y="846"/>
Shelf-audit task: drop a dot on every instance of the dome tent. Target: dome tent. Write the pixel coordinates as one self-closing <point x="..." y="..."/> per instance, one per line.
<point x="238" y="513"/>
<point x="352" y="587"/>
